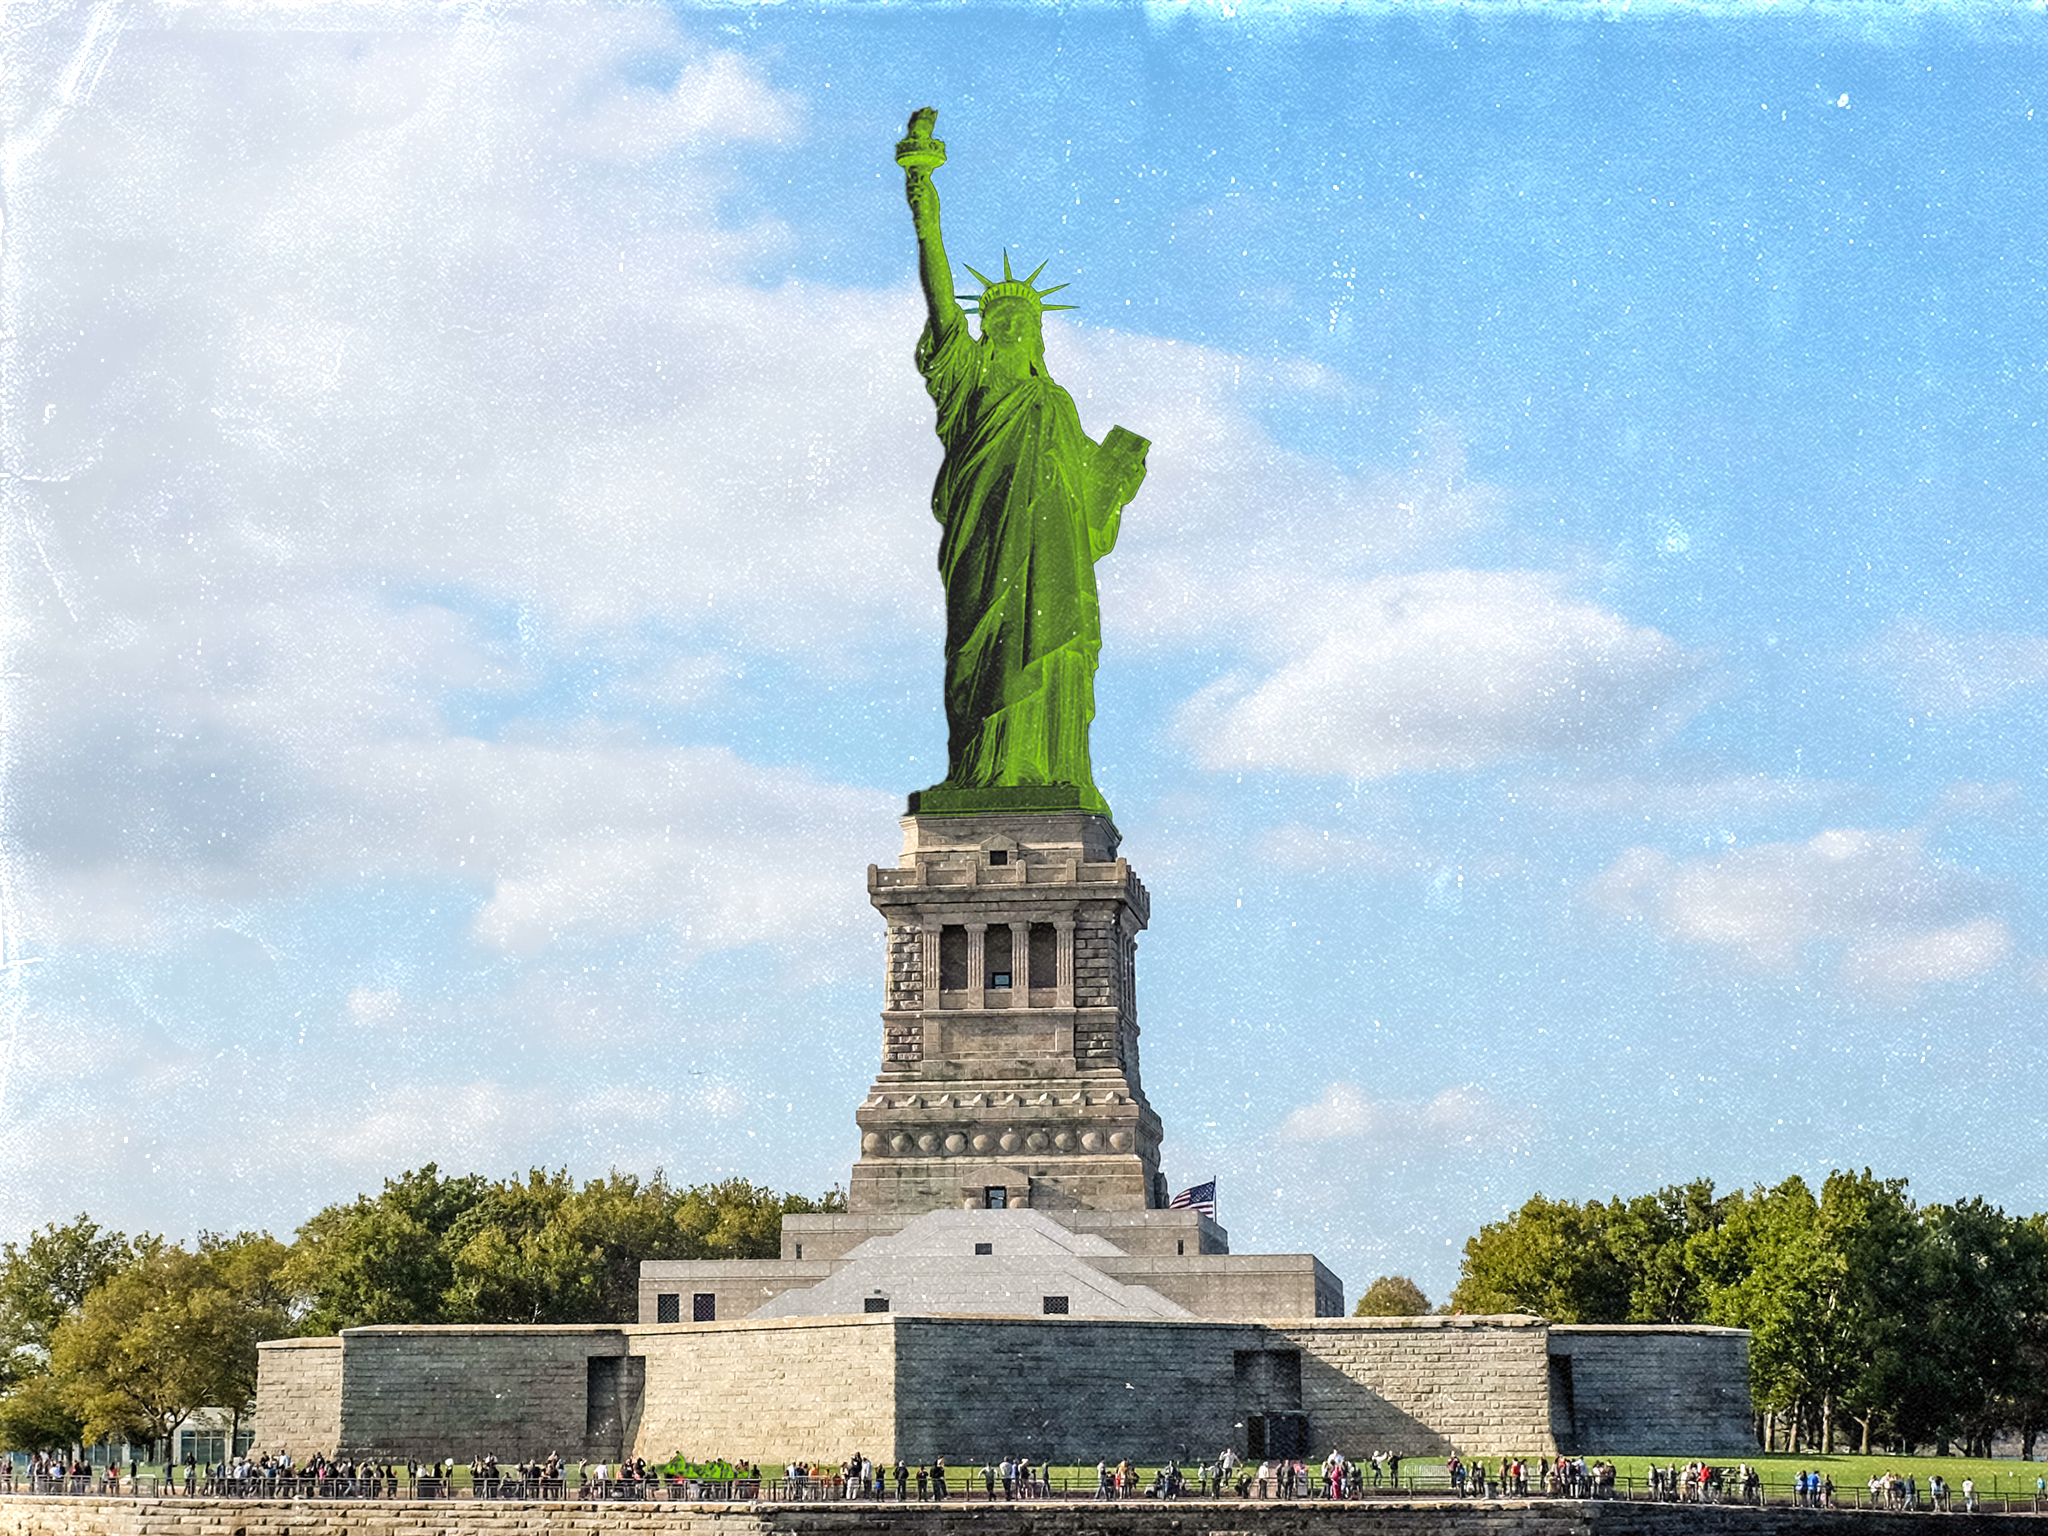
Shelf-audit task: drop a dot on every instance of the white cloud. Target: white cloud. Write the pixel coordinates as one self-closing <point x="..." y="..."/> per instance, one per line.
<point x="390" y="360"/>
<point x="399" y="351"/>
<point x="1958" y="674"/>
<point x="1689" y="798"/>
<point x="1888" y="917"/>
<point x="1466" y="1116"/>
<point x="1444" y="669"/>
<point x="1904" y="962"/>
<point x="716" y="101"/>
<point x="374" y="1008"/>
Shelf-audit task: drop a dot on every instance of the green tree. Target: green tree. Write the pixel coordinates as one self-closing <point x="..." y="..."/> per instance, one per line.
<point x="735" y="1219"/>
<point x="512" y="1258"/>
<point x="1392" y="1296"/>
<point x="175" y="1330"/>
<point x="1984" y="1274"/>
<point x="541" y="1249"/>
<point x="36" y="1417"/>
<point x="44" y="1281"/>
<point x="1875" y="1240"/>
<point x="1551" y="1258"/>
<point x="1653" y="1238"/>
<point x="246" y="1300"/>
<point x="383" y="1258"/>
<point x="1825" y="1286"/>
<point x="121" y="1359"/>
<point x="1753" y="1275"/>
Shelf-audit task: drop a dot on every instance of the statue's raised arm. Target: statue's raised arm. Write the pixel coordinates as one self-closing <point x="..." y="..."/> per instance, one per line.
<point x="920" y="154"/>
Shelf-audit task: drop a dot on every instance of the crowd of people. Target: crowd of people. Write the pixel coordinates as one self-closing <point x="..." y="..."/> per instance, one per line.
<point x="1337" y="1477"/>
<point x="1901" y="1490"/>
<point x="1566" y="1477"/>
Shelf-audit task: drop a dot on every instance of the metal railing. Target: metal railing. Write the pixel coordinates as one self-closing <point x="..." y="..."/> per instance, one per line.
<point x="966" y="1485"/>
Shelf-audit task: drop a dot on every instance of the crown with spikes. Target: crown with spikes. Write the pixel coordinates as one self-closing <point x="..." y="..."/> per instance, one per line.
<point x="1011" y="287"/>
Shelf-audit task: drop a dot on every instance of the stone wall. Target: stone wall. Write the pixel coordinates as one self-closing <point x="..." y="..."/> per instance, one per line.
<point x="298" y="1394"/>
<point x="424" y="1393"/>
<point x="1096" y="942"/>
<point x="972" y="1387"/>
<point x="1425" y="1385"/>
<point x="1239" y="1287"/>
<point x="1652" y="1392"/>
<point x="24" y="1516"/>
<point x="816" y="1388"/>
<point x="977" y="1388"/>
<point x="736" y="1286"/>
<point x="903" y="1030"/>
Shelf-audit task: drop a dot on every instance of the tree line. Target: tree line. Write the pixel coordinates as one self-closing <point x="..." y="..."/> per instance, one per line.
<point x="104" y="1335"/>
<point x="1875" y="1321"/>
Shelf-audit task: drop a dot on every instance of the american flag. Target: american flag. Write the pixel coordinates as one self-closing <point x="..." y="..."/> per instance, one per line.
<point x="1199" y="1197"/>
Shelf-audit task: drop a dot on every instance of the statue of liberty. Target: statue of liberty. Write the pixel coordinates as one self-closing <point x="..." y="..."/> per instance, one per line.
<point x="1027" y="503"/>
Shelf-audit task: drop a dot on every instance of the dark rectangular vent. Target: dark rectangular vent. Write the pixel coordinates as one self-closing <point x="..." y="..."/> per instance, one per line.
<point x="668" y="1308"/>
<point x="875" y="1304"/>
<point x="1055" y="1306"/>
<point x="704" y="1307"/>
<point x="984" y="1247"/>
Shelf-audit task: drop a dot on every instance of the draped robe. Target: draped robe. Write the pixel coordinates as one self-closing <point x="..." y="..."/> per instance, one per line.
<point x="1025" y="517"/>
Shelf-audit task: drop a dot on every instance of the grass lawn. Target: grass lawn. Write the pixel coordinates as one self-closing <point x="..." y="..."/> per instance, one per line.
<point x="1994" y="1478"/>
<point x="1851" y="1474"/>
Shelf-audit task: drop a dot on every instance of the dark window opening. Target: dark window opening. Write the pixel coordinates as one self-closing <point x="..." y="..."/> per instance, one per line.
<point x="984" y="1247"/>
<point x="1045" y="955"/>
<point x="704" y="1307"/>
<point x="799" y="1250"/>
<point x="875" y="1304"/>
<point x="999" y="855"/>
<point x="601" y="1399"/>
<point x="1561" y="1398"/>
<point x="996" y="951"/>
<point x="1276" y="1435"/>
<point x="1055" y="1306"/>
<point x="996" y="1197"/>
<point x="668" y="1308"/>
<point x="952" y="958"/>
<point x="1180" y="1246"/>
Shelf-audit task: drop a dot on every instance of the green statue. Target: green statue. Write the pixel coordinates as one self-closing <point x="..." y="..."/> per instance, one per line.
<point x="1027" y="502"/>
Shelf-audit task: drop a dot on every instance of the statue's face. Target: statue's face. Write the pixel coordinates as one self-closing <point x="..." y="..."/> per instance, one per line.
<point x="1012" y="324"/>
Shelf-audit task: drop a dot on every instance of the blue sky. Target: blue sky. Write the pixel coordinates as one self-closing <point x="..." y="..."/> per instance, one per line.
<point x="1573" y="681"/>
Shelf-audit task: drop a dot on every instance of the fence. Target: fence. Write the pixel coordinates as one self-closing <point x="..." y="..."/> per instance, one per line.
<point x="967" y="1485"/>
